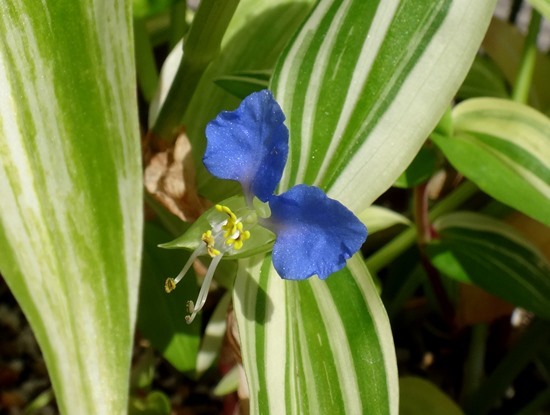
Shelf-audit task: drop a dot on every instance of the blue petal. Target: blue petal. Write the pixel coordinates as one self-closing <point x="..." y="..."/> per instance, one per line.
<point x="249" y="145"/>
<point x="315" y="234"/>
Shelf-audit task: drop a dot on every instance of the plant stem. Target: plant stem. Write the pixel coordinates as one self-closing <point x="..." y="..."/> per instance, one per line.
<point x="201" y="46"/>
<point x="406" y="239"/>
<point x="424" y="235"/>
<point x="528" y="60"/>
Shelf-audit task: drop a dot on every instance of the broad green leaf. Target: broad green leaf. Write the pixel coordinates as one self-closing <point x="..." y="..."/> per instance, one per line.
<point x="315" y="347"/>
<point x="161" y="316"/>
<point x="364" y="84"/>
<point x="70" y="180"/>
<point x="504" y="148"/>
<point x="418" y="396"/>
<point x="486" y="252"/>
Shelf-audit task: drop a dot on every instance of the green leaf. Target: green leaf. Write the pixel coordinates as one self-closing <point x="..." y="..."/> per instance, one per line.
<point x="418" y="396"/>
<point x="146" y="8"/>
<point x="420" y="170"/>
<point x="504" y="148"/>
<point x="70" y="180"/>
<point x="378" y="218"/>
<point x="161" y="316"/>
<point x="543" y="6"/>
<point x="484" y="80"/>
<point x="243" y="84"/>
<point x="155" y="403"/>
<point x="214" y="335"/>
<point x="315" y="347"/>
<point x="486" y="252"/>
<point x="229" y="383"/>
<point x="364" y="84"/>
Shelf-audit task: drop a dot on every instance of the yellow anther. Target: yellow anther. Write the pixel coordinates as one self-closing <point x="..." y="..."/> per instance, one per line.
<point x="209" y="240"/>
<point x="230" y="226"/>
<point x="238" y="240"/>
<point x="225" y="209"/>
<point x="169" y="285"/>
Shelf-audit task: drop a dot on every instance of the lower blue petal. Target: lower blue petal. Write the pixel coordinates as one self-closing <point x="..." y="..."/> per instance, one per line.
<point x="315" y="234"/>
<point x="249" y="145"/>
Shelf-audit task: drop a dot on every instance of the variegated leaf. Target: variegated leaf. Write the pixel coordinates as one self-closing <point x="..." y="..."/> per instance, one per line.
<point x="504" y="148"/>
<point x="70" y="180"/>
<point x="362" y="85"/>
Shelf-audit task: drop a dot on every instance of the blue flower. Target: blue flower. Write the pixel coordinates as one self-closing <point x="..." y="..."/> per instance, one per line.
<point x="315" y="235"/>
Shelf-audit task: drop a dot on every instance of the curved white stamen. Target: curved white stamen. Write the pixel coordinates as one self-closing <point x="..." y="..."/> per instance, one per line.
<point x="188" y="264"/>
<point x="203" y="293"/>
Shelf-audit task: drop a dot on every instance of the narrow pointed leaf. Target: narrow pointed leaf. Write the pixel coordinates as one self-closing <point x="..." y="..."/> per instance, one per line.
<point x="70" y="180"/>
<point x="504" y="148"/>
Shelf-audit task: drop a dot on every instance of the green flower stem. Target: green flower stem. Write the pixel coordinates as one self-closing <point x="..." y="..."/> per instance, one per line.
<point x="533" y="340"/>
<point x="424" y="235"/>
<point x="528" y="60"/>
<point x="407" y="238"/>
<point x="146" y="68"/>
<point x="201" y="46"/>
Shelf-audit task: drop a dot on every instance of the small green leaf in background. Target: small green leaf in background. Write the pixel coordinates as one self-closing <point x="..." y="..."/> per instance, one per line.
<point x="242" y="84"/>
<point x="504" y="44"/>
<point x="161" y="316"/>
<point x="484" y="80"/>
<point x="146" y="8"/>
<point x="504" y="148"/>
<point x="155" y="403"/>
<point x="420" y="397"/>
<point x="486" y="252"/>
<point x="378" y="218"/>
<point x="420" y="170"/>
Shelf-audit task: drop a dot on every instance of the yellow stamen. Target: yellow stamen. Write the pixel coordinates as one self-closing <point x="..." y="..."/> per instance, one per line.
<point x="169" y="285"/>
<point x="209" y="240"/>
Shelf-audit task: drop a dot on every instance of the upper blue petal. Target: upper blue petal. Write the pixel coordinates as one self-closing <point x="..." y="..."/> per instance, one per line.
<point x="315" y="234"/>
<point x="249" y="145"/>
